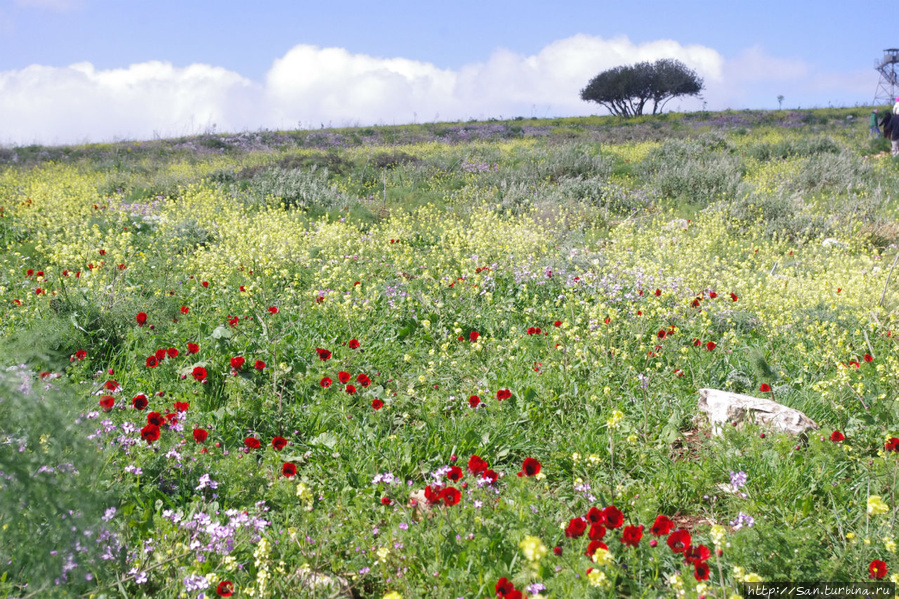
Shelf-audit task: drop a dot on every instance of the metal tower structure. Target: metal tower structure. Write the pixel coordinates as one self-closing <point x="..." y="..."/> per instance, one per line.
<point x="888" y="86"/>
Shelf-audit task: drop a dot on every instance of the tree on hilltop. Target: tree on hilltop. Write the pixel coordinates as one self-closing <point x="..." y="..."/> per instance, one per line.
<point x="626" y="90"/>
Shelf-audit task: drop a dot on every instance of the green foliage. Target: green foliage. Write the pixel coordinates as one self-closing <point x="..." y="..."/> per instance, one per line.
<point x="625" y="90"/>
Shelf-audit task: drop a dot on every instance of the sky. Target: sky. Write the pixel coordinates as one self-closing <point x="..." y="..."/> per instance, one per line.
<point x="77" y="71"/>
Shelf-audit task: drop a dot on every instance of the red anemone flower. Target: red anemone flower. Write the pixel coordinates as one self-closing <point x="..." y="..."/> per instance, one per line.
<point x="259" y="365"/>
<point x="182" y="406"/>
<point x="252" y="443"/>
<point x="679" y="540"/>
<point x="597" y="532"/>
<point x="112" y="385"/>
<point x="765" y="388"/>
<point x="733" y="296"/>
<point x="697" y="553"/>
<point x="237" y="362"/>
<point x="325" y="382"/>
<point x="455" y="474"/>
<point x="171" y="352"/>
<point x="530" y="467"/>
<point x="473" y="336"/>
<point x="141" y="318"/>
<point x="632" y="535"/>
<point x="593" y="546"/>
<point x="837" y="436"/>
<point x="662" y="526"/>
<point x="386" y="501"/>
<point x="200" y="435"/>
<point x="160" y="354"/>
<point x="595" y="515"/>
<point x="150" y="433"/>
<point x="323" y="354"/>
<point x="490" y="475"/>
<point x="289" y="469"/>
<point x="152" y="362"/>
<point x="350" y="389"/>
<point x="279" y="443"/>
<point x="155" y="418"/>
<point x="661" y="334"/>
<point x="185" y="309"/>
<point x="476" y="465"/>
<point x="701" y="571"/>
<point x="503" y="394"/>
<point x="193" y="348"/>
<point x="503" y="587"/>
<point x="892" y="444"/>
<point x="450" y="495"/>
<point x="225" y="588"/>
<point x="353" y="344"/>
<point x="613" y="517"/>
<point x="273" y="310"/>
<point x="344" y="377"/>
<point x="363" y="380"/>
<point x="557" y="323"/>
<point x="576" y="528"/>
<point x="106" y="402"/>
<point x="139" y="401"/>
<point x="199" y="373"/>
<point x="711" y="345"/>
<point x="80" y="354"/>
<point x="869" y="358"/>
<point x="377" y="404"/>
<point x="473" y="401"/>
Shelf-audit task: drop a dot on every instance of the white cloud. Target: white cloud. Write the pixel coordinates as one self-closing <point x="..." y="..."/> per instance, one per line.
<point x="310" y="85"/>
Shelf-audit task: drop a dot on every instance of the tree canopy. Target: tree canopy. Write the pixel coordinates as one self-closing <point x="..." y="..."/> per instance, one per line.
<point x="626" y="90"/>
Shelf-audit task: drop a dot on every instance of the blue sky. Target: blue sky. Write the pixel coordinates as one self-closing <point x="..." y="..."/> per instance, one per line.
<point x="93" y="70"/>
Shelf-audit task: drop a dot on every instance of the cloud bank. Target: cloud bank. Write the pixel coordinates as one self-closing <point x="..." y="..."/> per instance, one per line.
<point x="309" y="86"/>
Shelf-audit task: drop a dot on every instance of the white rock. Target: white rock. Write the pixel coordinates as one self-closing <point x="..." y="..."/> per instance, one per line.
<point x="726" y="408"/>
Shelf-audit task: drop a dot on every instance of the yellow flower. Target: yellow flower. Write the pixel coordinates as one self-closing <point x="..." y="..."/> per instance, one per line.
<point x="383" y="552"/>
<point x="890" y="544"/>
<point x="598" y="578"/>
<point x="876" y="506"/>
<point x="533" y="548"/>
<point x="615" y="420"/>
<point x="753" y="577"/>
<point x="718" y="533"/>
<point x="603" y="557"/>
<point x="393" y="595"/>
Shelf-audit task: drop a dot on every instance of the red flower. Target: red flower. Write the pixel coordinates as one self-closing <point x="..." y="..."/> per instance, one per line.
<point x="679" y="540"/>
<point x="595" y="515"/>
<point x="155" y="418"/>
<point x="455" y="474"/>
<point x="323" y="354"/>
<point x="193" y="348"/>
<point x="237" y="362"/>
<point x="504" y="587"/>
<point x="662" y="526"/>
<point x="289" y="469"/>
<point x="150" y="433"/>
<point x="386" y="501"/>
<point x="532" y="331"/>
<point x="877" y="568"/>
<point x="576" y="528"/>
<point x="597" y="532"/>
<point x="476" y="465"/>
<point x="200" y="435"/>
<point x="171" y="352"/>
<point x="892" y="444"/>
<point x="363" y="380"/>
<point x="344" y="377"/>
<point x="377" y="404"/>
<point x="765" y="387"/>
<point x="273" y="310"/>
<point x="490" y="475"/>
<point x="836" y="436"/>
<point x="29" y="272"/>
<point x="733" y="296"/>
<point x="473" y="336"/>
<point x="350" y="389"/>
<point x="473" y="401"/>
<point x="225" y="588"/>
<point x="450" y="495"/>
<point x="632" y="535"/>
<point x="557" y="550"/>
<point x="139" y="401"/>
<point x="697" y="553"/>
<point x="869" y="358"/>
<point x="593" y="546"/>
<point x="353" y="344"/>
<point x="279" y="443"/>
<point x="530" y="467"/>
<point x="710" y="345"/>
<point x="259" y="365"/>
<point x="80" y="354"/>
<point x="503" y="394"/>
<point x="160" y="354"/>
<point x="199" y="373"/>
<point x="432" y="496"/>
<point x="171" y="419"/>
<point x="613" y="517"/>
<point x="106" y="402"/>
<point x="152" y="362"/>
<point x="713" y="295"/>
<point x="205" y="283"/>
<point x="325" y="382"/>
<point x="252" y="443"/>
<point x="661" y="334"/>
<point x="185" y="309"/>
<point x="141" y="318"/>
<point x="182" y="406"/>
<point x="112" y="385"/>
<point x="701" y="571"/>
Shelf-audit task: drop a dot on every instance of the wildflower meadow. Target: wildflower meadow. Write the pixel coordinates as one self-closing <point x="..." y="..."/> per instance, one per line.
<point x="449" y="360"/>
